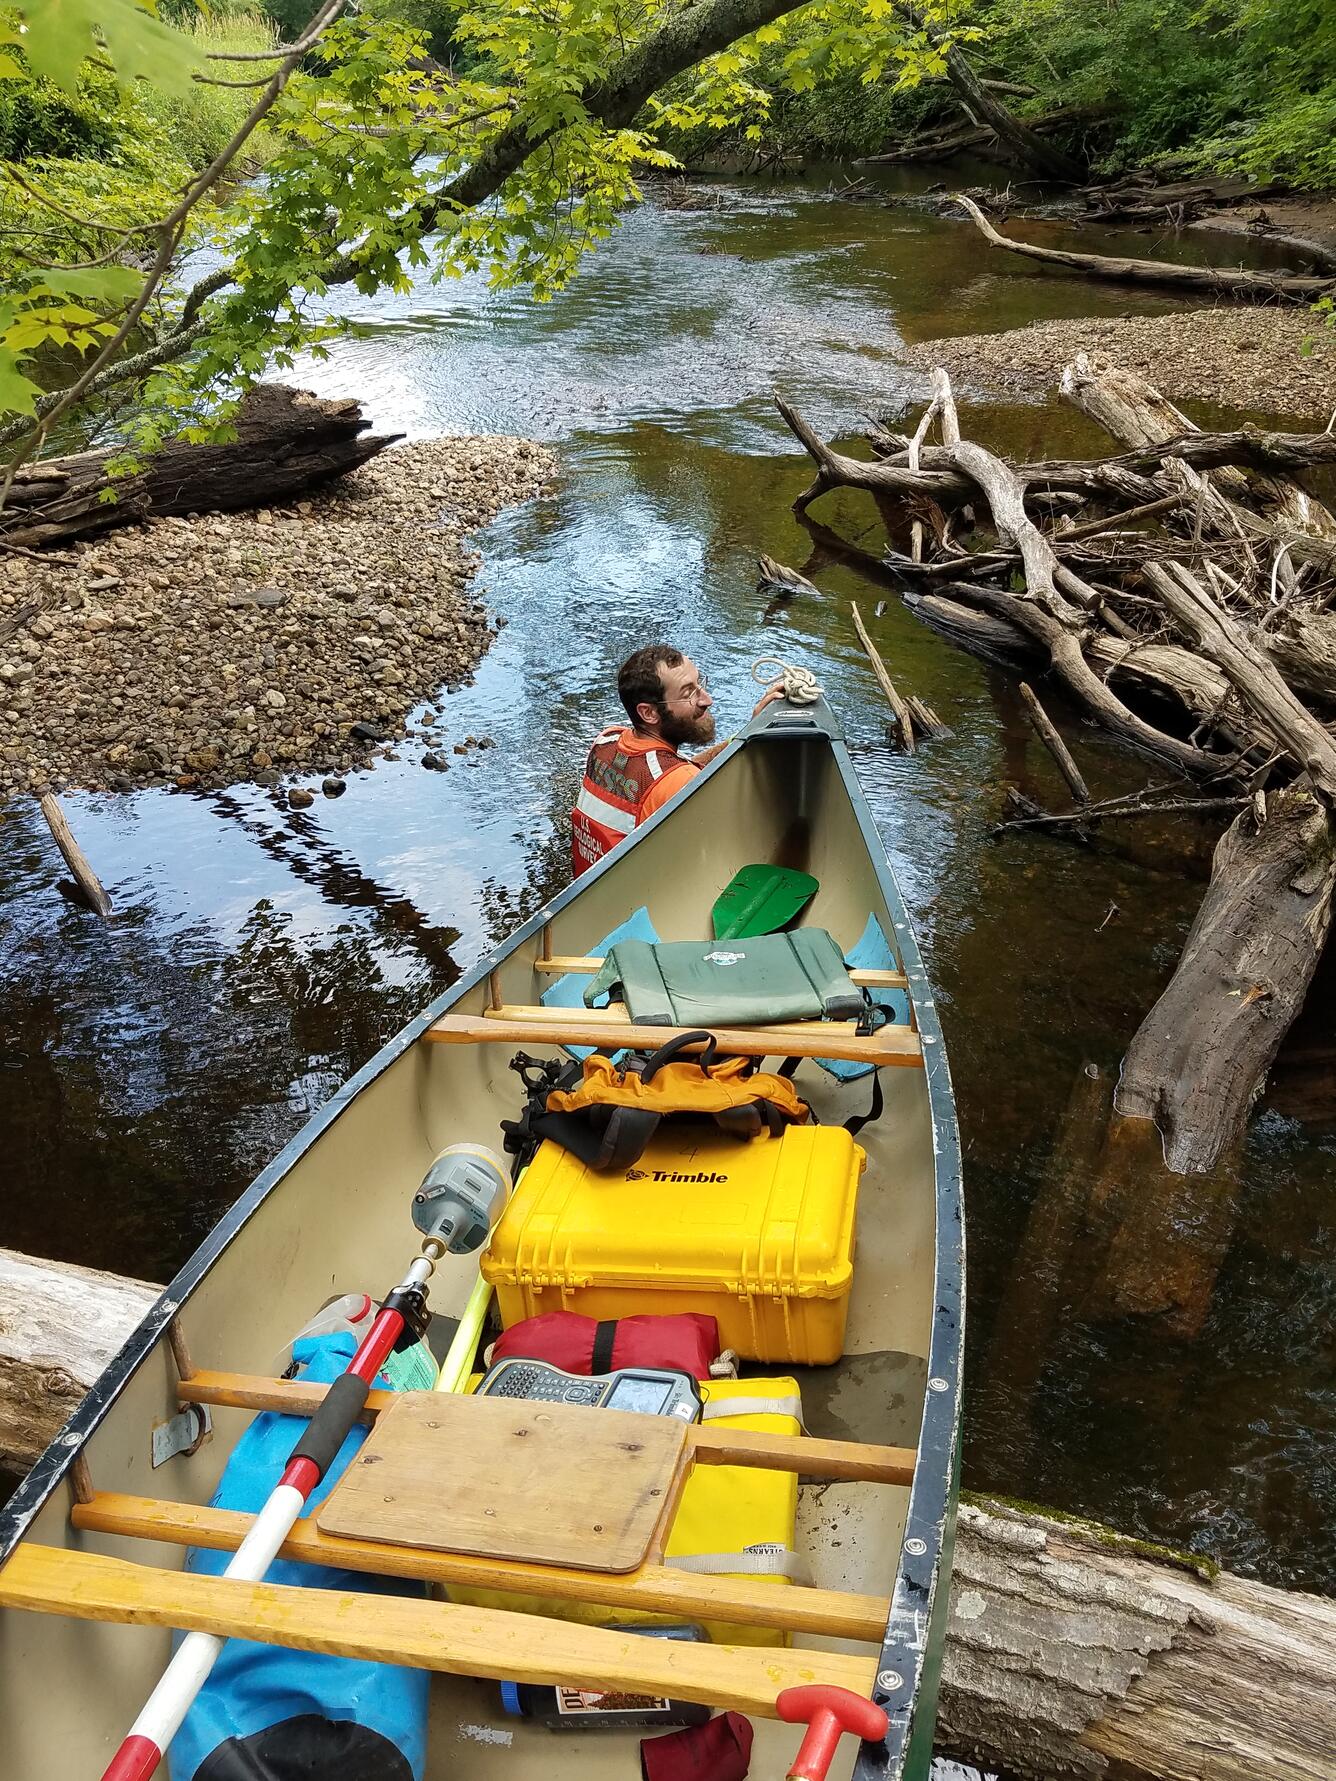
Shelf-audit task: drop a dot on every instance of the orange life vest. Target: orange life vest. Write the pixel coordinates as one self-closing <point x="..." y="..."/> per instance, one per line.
<point x="615" y="786"/>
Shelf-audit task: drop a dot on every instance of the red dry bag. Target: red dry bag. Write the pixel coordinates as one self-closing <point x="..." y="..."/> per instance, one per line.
<point x="688" y="1342"/>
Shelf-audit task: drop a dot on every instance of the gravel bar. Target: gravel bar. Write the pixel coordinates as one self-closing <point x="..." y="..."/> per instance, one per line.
<point x="250" y="646"/>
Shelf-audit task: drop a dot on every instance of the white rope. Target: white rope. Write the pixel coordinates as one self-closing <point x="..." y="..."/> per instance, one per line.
<point x="800" y="684"/>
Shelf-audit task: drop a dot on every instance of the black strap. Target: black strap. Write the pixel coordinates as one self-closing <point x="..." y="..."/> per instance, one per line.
<point x="742" y="1122"/>
<point x="667" y="1052"/>
<point x="855" y="1125"/>
<point x="627" y="1132"/>
<point x="605" y="1340"/>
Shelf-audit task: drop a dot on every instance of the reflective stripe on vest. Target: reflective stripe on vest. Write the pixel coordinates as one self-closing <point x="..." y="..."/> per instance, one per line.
<point x="611" y="796"/>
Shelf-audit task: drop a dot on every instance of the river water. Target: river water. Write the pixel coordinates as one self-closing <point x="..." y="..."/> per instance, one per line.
<point x="1153" y="1352"/>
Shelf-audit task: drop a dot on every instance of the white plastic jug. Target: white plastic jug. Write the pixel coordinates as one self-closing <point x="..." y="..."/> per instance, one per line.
<point x="412" y="1370"/>
<point x="352" y="1312"/>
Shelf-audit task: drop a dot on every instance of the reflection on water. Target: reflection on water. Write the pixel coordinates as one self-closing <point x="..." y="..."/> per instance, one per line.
<point x="1160" y="1359"/>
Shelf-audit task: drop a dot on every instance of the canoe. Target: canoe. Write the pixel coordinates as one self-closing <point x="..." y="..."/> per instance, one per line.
<point x="92" y="1539"/>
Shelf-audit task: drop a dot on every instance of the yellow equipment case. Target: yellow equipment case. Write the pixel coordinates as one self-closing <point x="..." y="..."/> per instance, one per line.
<point x="758" y="1233"/>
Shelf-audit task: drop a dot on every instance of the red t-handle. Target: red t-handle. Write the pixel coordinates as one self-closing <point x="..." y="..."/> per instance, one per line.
<point x="829" y="1712"/>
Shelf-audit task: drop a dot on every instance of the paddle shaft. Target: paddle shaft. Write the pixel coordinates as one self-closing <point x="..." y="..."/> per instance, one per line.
<point x="162" y="1714"/>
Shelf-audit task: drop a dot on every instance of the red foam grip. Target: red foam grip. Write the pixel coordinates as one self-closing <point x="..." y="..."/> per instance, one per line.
<point x="829" y="1712"/>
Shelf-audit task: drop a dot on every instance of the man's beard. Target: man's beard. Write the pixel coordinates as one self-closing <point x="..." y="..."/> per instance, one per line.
<point x="677" y="730"/>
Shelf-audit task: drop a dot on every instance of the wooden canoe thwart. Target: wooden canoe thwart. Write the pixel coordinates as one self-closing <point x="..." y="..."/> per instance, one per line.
<point x="837" y="1039"/>
<point x="552" y="1524"/>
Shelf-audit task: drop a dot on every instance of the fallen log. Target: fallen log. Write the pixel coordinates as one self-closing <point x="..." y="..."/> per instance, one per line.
<point x="904" y="723"/>
<point x="1072" y="1651"/>
<point x="1026" y="144"/>
<point x="287" y="441"/>
<point x="1201" y="1056"/>
<point x="938" y="147"/>
<point x="1178" y="200"/>
<point x="1183" y="646"/>
<point x="1232" y="281"/>
<point x="1136" y="413"/>
<point x="59" y="1327"/>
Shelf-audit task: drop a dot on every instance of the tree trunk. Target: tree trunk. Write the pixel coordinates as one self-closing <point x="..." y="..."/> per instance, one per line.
<point x="59" y="1326"/>
<point x="1028" y="147"/>
<point x="1074" y="1652"/>
<point x="1200" y="1057"/>
<point x="287" y="441"/>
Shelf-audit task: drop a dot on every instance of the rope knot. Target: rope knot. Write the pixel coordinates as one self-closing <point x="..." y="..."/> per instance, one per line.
<point x="800" y="684"/>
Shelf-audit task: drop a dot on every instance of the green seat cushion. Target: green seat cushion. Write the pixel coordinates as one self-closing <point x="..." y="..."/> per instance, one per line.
<point x="691" y="983"/>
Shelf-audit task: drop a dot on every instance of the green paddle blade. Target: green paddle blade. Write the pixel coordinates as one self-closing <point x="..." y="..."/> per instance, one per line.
<point x="761" y="900"/>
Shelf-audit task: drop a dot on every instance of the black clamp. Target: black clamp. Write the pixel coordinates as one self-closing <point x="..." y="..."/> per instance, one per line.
<point x="411" y="1304"/>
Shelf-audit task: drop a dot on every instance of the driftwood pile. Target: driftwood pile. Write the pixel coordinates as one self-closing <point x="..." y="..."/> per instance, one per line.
<point x="1180" y="592"/>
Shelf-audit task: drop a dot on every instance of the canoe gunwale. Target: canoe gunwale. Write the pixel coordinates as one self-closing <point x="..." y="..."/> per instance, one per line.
<point x="911" y="1649"/>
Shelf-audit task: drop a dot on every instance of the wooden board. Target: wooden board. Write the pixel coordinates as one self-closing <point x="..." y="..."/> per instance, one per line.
<point x="811" y="1038"/>
<point x="742" y="1601"/>
<point x="423" y="1635"/>
<point x="547" y="1484"/>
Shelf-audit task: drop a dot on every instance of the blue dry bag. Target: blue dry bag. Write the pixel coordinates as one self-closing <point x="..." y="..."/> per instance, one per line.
<point x="270" y="1714"/>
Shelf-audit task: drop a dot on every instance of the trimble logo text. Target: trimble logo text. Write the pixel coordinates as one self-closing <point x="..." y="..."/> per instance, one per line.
<point x="672" y="1175"/>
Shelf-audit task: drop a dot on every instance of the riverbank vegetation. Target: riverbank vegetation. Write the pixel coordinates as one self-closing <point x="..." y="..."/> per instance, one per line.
<point x="103" y="153"/>
<point x="520" y="150"/>
<point x="1245" y="87"/>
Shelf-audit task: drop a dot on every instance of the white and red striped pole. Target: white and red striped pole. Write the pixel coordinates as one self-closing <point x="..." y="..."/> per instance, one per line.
<point x="142" y="1748"/>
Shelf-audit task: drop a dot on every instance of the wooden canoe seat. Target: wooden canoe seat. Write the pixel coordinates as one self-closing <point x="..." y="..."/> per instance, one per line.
<point x="609" y="1029"/>
<point x="810" y="1458"/>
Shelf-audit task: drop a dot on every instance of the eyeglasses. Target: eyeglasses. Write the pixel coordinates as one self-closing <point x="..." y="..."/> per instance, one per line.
<point x="691" y="694"/>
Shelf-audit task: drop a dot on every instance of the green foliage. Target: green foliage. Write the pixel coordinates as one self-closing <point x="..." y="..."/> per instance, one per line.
<point x="1238" y="86"/>
<point x="196" y="121"/>
<point x="372" y="144"/>
<point x="57" y="36"/>
<point x="39" y="118"/>
<point x="91" y="167"/>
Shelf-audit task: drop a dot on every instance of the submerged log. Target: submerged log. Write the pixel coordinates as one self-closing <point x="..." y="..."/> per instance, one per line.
<point x="287" y="441"/>
<point x="1074" y="1652"/>
<point x="1201" y="1056"/>
<point x="90" y="885"/>
<point x="59" y="1326"/>
<point x="1232" y="281"/>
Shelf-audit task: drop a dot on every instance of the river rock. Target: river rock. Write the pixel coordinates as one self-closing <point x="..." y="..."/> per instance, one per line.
<point x="332" y="787"/>
<point x="298" y="799"/>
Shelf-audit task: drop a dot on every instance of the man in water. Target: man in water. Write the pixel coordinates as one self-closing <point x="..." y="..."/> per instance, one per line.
<point x="631" y="773"/>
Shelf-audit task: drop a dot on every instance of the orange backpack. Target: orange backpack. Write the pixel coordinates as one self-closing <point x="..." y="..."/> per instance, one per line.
<point x="608" y="1114"/>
